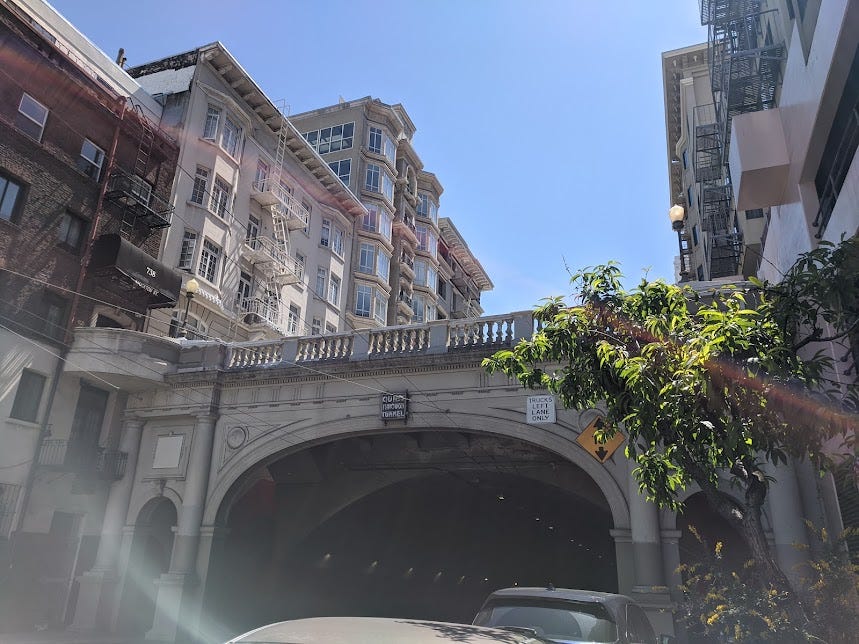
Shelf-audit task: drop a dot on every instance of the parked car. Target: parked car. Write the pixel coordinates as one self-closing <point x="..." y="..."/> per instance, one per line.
<point x="569" y="616"/>
<point x="379" y="630"/>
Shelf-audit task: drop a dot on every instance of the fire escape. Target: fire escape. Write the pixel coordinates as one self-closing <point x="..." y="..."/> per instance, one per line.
<point x="270" y="255"/>
<point x="745" y="57"/>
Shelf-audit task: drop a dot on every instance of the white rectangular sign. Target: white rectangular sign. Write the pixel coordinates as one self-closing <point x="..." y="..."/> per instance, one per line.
<point x="540" y="409"/>
<point x="168" y="452"/>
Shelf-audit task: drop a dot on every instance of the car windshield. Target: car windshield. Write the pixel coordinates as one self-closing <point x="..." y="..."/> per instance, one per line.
<point x="557" y="620"/>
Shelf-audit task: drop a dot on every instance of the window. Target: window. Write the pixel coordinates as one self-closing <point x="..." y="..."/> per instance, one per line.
<point x="210" y="256"/>
<point x="367" y="258"/>
<point x="91" y="159"/>
<point x="87" y="422"/>
<point x="426" y="207"/>
<point x="343" y="168"/>
<point x="421" y="232"/>
<point x="252" y="231"/>
<point x="220" y="201"/>
<point x="28" y="396"/>
<point x="695" y="234"/>
<point x="321" y="281"/>
<point x="325" y="239"/>
<point x="213" y="118"/>
<point x="316" y="326"/>
<point x="432" y="244"/>
<point x="334" y="290"/>
<point x="363" y="300"/>
<point x="292" y="319"/>
<point x="337" y="242"/>
<point x="261" y="175"/>
<point x="231" y="137"/>
<point x="390" y="150"/>
<point x="374" y="143"/>
<point x="300" y="260"/>
<point x="188" y="326"/>
<point x="432" y="277"/>
<point x="419" y="308"/>
<point x="689" y="197"/>
<point x="380" y="307"/>
<point x="201" y="185"/>
<point x="420" y="272"/>
<point x="10" y="192"/>
<point x="386" y="223"/>
<point x="370" y="222"/>
<point x="245" y="290"/>
<point x="371" y="180"/>
<point x="31" y="117"/>
<point x="71" y="231"/>
<point x="330" y="328"/>
<point x="442" y="289"/>
<point x="388" y="186"/>
<point x="186" y="254"/>
<point x="54" y="313"/>
<point x="757" y="213"/>
<point x="331" y="139"/>
<point x="431" y="313"/>
<point x="685" y="160"/>
<point x="383" y="264"/>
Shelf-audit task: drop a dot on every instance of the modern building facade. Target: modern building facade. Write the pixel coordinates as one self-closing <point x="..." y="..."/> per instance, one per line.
<point x="85" y="177"/>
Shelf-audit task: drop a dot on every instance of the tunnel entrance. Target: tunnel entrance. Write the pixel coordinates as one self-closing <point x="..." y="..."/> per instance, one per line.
<point x="420" y="525"/>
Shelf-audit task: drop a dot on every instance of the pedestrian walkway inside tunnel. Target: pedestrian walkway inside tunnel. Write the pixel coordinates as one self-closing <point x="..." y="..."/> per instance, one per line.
<point x="412" y="525"/>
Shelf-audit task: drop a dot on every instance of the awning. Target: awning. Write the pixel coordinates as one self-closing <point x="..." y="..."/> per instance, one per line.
<point x="147" y="279"/>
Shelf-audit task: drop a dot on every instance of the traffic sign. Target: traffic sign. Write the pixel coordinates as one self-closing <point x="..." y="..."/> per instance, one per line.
<point x="600" y="451"/>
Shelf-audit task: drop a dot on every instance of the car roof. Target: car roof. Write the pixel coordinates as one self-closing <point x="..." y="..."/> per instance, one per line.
<point x="568" y="594"/>
<point x="378" y="630"/>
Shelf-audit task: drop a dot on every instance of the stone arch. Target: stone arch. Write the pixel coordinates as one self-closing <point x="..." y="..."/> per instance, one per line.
<point x="138" y="507"/>
<point x="269" y="449"/>
<point x="668" y="519"/>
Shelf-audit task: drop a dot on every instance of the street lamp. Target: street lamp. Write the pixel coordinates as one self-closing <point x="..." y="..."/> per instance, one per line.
<point x="677" y="215"/>
<point x="191" y="289"/>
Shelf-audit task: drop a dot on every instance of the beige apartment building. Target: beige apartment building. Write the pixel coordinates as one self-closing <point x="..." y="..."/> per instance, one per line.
<point x="255" y="206"/>
<point x="408" y="265"/>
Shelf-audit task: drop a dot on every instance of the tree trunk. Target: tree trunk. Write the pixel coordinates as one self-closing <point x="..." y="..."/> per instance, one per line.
<point x="746" y="519"/>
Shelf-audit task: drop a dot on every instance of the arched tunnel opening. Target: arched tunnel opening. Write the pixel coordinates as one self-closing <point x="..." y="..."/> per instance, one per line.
<point x="419" y="525"/>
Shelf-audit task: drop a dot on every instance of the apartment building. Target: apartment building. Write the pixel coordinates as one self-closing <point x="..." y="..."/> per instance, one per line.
<point x="717" y="240"/>
<point x="775" y="140"/>
<point x="263" y="224"/>
<point x="85" y="177"/>
<point x="404" y="271"/>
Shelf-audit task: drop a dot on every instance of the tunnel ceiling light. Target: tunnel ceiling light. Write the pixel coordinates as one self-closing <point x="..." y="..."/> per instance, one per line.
<point x="536" y="518"/>
<point x="500" y="497"/>
<point x="551" y="527"/>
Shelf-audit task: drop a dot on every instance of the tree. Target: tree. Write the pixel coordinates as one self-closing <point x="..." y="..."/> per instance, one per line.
<point x="705" y="386"/>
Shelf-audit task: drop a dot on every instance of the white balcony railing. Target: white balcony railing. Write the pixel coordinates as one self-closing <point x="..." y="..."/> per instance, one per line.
<point x="273" y="260"/>
<point x="269" y="195"/>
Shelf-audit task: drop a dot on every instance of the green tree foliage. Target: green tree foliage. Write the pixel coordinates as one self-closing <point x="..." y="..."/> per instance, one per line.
<point x="704" y="386"/>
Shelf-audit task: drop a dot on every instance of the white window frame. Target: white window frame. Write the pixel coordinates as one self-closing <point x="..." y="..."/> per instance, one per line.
<point x="201" y="185"/>
<point x="316" y="326"/>
<point x="375" y="138"/>
<point x="322" y="282"/>
<point x="325" y="235"/>
<point x="388" y="186"/>
<point x="186" y="250"/>
<point x="212" y="123"/>
<point x="210" y="260"/>
<point x="421" y="272"/>
<point x="337" y="241"/>
<point x="334" y="284"/>
<point x="380" y="307"/>
<point x="261" y="175"/>
<point x="373" y="178"/>
<point x="363" y="300"/>
<point x="91" y="165"/>
<point x="219" y="203"/>
<point x="33" y="103"/>
<point x="292" y="318"/>
<point x="383" y="264"/>
<point x="366" y="251"/>
<point x="231" y="136"/>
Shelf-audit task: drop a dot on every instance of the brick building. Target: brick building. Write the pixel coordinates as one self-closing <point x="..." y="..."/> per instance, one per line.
<point x="84" y="181"/>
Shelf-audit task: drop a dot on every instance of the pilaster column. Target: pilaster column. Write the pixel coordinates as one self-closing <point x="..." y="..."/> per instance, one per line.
<point x="646" y="541"/>
<point x="175" y="587"/>
<point x="624" y="558"/>
<point x="788" y="526"/>
<point x="97" y="595"/>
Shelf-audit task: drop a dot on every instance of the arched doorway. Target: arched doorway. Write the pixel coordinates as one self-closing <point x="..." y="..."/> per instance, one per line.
<point x="420" y="525"/>
<point x="712" y="528"/>
<point x="149" y="558"/>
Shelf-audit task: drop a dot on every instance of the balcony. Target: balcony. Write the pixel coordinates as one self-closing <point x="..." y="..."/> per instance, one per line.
<point x="262" y="311"/>
<point x="404" y="303"/>
<point x="134" y="196"/>
<point x="272" y="260"/>
<point x="759" y="159"/>
<point x="80" y="458"/>
<point x="276" y="199"/>
<point x="405" y="227"/>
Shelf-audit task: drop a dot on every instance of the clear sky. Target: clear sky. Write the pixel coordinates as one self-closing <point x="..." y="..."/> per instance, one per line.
<point x="543" y="119"/>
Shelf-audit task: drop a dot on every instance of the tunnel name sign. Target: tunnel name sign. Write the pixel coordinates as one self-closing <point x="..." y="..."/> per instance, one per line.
<point x="394" y="406"/>
<point x="540" y="409"/>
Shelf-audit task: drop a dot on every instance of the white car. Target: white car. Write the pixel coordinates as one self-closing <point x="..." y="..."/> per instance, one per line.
<point x="380" y="630"/>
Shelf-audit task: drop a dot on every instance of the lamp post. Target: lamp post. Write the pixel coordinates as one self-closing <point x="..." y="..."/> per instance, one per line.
<point x="191" y="288"/>
<point x="677" y="215"/>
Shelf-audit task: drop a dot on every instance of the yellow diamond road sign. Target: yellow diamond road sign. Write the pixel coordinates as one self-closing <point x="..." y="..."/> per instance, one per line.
<point x="600" y="451"/>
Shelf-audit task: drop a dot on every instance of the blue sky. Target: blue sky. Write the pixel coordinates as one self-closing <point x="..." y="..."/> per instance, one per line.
<point x="543" y="119"/>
